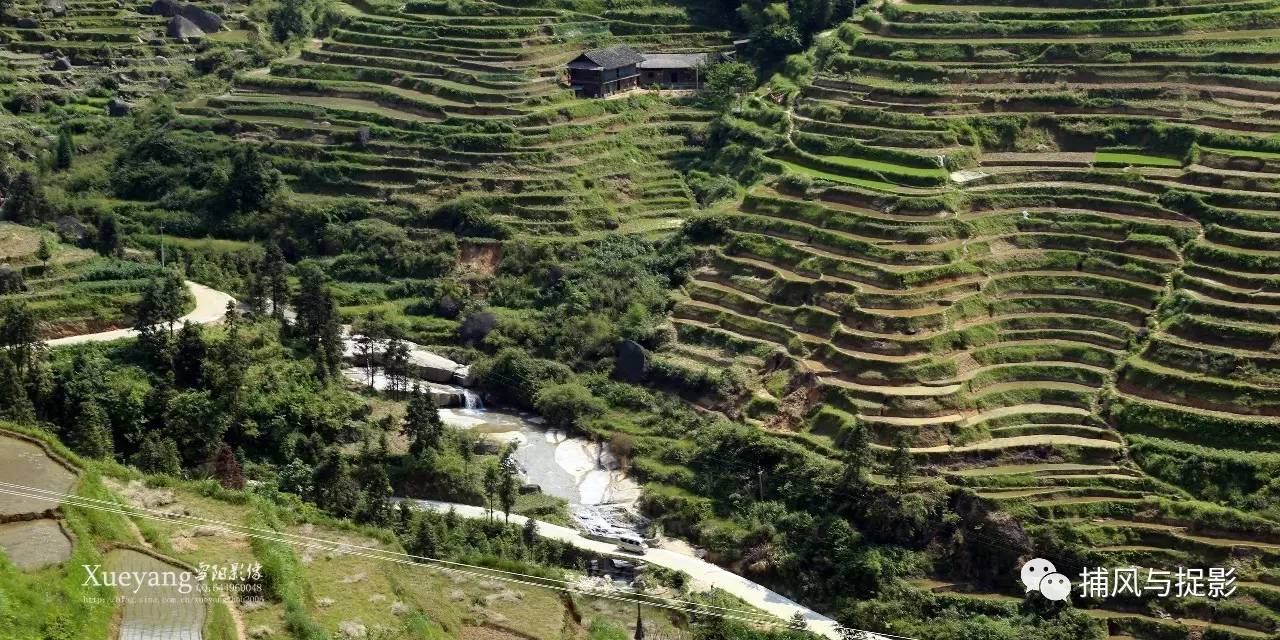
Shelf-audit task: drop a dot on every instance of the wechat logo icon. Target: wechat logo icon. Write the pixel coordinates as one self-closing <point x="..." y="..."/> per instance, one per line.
<point x="1040" y="575"/>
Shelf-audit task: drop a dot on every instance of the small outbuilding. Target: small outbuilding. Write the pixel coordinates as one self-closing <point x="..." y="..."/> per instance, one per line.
<point x="675" y="70"/>
<point x="599" y="73"/>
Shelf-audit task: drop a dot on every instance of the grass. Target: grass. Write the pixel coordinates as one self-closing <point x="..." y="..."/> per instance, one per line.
<point x="823" y="175"/>
<point x="1136" y="159"/>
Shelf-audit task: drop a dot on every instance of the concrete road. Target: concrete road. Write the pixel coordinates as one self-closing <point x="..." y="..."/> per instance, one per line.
<point x="211" y="306"/>
<point x="704" y="574"/>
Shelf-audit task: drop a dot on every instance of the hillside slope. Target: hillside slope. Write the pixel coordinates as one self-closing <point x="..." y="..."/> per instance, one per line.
<point x="1035" y="243"/>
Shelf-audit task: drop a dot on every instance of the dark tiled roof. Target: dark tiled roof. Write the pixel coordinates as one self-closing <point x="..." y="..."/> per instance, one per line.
<point x="609" y="58"/>
<point x="677" y="60"/>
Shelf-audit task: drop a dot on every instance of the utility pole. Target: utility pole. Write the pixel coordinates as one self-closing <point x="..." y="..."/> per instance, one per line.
<point x="760" y="478"/>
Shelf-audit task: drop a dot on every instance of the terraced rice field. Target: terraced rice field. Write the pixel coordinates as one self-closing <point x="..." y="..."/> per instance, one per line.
<point x="423" y="105"/>
<point x="109" y="46"/>
<point x="76" y="291"/>
<point x="1023" y="234"/>
<point x="25" y="463"/>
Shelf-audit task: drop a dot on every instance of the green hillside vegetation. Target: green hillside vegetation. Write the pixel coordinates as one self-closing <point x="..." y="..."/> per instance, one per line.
<point x="959" y="285"/>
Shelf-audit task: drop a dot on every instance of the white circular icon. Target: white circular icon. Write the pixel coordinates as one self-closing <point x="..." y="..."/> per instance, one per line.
<point x="1034" y="571"/>
<point x="1055" y="587"/>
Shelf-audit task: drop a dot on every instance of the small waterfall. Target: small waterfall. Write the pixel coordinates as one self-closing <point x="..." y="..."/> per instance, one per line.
<point x="471" y="400"/>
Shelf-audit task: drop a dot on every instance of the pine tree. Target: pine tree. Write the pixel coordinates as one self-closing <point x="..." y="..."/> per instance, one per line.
<point x="14" y="402"/>
<point x="227" y="469"/>
<point x="90" y="434"/>
<point x="20" y="335"/>
<point x="422" y="423"/>
<point x="65" y="151"/>
<point x="427" y="541"/>
<point x="530" y="532"/>
<point x="253" y="184"/>
<point x="376" y="506"/>
<point x="189" y="357"/>
<point x="108" y="242"/>
<point x="44" y="252"/>
<point x="25" y="202"/>
<point x="335" y="490"/>
<point x="509" y="483"/>
<point x="274" y="273"/>
<point x="492" y="484"/>
<point x="901" y="466"/>
<point x="233" y="362"/>
<point x="158" y="454"/>
<point x="396" y="365"/>
<point x="318" y="321"/>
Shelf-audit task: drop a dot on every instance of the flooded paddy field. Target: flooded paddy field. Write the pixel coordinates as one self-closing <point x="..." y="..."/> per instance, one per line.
<point x="25" y="463"/>
<point x="35" y="544"/>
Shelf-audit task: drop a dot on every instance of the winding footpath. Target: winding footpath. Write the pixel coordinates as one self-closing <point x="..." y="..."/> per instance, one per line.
<point x="211" y="306"/>
<point x="703" y="574"/>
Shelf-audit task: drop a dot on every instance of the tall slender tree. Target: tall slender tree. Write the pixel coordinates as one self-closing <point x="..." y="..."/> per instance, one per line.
<point x="65" y="151"/>
<point x="422" y="423"/>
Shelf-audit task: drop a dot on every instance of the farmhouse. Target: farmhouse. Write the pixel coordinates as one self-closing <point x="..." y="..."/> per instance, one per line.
<point x="599" y="73"/>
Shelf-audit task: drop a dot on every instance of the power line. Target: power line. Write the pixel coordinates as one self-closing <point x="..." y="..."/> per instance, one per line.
<point x="408" y="559"/>
<point x="418" y="561"/>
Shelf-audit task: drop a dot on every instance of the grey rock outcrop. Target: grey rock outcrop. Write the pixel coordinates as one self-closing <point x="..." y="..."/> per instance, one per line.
<point x="632" y="364"/>
<point x="182" y="28"/>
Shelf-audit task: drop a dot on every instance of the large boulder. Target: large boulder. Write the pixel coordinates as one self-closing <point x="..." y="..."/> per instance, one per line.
<point x="55" y="7"/>
<point x="183" y="29"/>
<point x="208" y="21"/>
<point x="632" y="364"/>
<point x="63" y="63"/>
<point x="433" y="367"/>
<point x="28" y="22"/>
<point x="166" y="8"/>
<point x="118" y="108"/>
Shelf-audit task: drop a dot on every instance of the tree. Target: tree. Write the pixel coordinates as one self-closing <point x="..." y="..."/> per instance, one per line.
<point x="292" y="19"/>
<point x="318" y="320"/>
<point x="529" y="534"/>
<point x="19" y="334"/>
<point x="25" y="202"/>
<point x="274" y="273"/>
<point x="65" y="150"/>
<point x="45" y="251"/>
<point x="568" y="405"/>
<point x="422" y="423"/>
<point x="226" y="468"/>
<point x="509" y="483"/>
<point x="254" y="184"/>
<point x="90" y="433"/>
<point x="108" y="242"/>
<point x="366" y="352"/>
<point x="375" y="508"/>
<point x="395" y="364"/>
<point x="726" y="81"/>
<point x="427" y="540"/>
<point x="901" y="466"/>
<point x="158" y="454"/>
<point x="492" y="485"/>
<point x="14" y="402"/>
<point x="335" y="490"/>
<point x="162" y="301"/>
<point x="232" y="357"/>
<point x="189" y="356"/>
